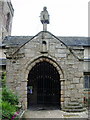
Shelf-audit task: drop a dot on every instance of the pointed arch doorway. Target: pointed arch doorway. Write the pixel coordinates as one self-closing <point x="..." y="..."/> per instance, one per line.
<point x="43" y="85"/>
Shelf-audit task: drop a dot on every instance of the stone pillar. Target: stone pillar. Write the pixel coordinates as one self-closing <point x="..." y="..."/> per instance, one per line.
<point x="62" y="92"/>
<point x="44" y="27"/>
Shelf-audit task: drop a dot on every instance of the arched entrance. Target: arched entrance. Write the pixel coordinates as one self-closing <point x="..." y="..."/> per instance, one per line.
<point x="43" y="85"/>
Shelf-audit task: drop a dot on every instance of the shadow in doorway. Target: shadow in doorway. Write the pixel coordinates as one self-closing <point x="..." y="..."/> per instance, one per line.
<point x="43" y="87"/>
<point x="43" y="107"/>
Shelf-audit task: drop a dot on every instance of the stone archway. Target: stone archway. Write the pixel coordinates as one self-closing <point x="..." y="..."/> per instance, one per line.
<point x="55" y="68"/>
<point x="44" y="85"/>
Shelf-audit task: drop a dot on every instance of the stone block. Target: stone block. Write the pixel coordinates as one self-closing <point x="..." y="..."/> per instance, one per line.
<point x="78" y="95"/>
<point x="30" y="54"/>
<point x="60" y="55"/>
<point x="79" y="86"/>
<point x="62" y="87"/>
<point x="52" y="48"/>
<point x="67" y="99"/>
<point x="71" y="86"/>
<point x="61" y="51"/>
<point x="75" y="80"/>
<point x="78" y="74"/>
<point x="73" y="99"/>
<point x="60" y="46"/>
<point x="24" y="84"/>
<point x="70" y="62"/>
<point x="68" y="93"/>
<point x="18" y="89"/>
<point x="62" y="92"/>
<point x="62" y="99"/>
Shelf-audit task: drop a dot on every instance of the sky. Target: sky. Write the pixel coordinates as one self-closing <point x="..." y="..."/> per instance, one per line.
<point x="67" y="17"/>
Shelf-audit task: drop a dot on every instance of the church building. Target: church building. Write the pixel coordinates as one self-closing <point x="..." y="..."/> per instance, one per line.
<point x="47" y="70"/>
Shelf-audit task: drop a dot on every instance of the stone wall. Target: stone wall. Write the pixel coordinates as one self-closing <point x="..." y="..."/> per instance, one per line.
<point x="6" y="9"/>
<point x="46" y="48"/>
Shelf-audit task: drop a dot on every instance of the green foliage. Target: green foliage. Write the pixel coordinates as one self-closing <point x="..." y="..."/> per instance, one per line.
<point x="9" y="96"/>
<point x="0" y="109"/>
<point x="8" y="100"/>
<point x="0" y="104"/>
<point x="7" y="110"/>
<point x="3" y="79"/>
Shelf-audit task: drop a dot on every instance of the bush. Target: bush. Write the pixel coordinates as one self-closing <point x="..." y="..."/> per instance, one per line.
<point x="0" y="109"/>
<point x="3" y="79"/>
<point x="9" y="102"/>
<point x="7" y="110"/>
<point x="7" y="95"/>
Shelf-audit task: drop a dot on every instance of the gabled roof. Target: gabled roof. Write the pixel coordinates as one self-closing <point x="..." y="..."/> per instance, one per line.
<point x="76" y="41"/>
<point x="69" y="41"/>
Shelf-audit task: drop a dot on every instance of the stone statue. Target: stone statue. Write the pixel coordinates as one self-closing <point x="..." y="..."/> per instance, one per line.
<point x="44" y="16"/>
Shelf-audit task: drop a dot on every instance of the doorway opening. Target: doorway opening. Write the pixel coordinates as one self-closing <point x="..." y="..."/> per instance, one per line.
<point x="43" y="87"/>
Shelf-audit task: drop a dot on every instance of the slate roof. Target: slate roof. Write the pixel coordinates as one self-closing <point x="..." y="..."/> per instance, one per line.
<point x="76" y="41"/>
<point x="69" y="41"/>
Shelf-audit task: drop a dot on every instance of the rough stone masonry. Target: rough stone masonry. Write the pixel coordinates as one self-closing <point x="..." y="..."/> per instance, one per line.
<point x="65" y="54"/>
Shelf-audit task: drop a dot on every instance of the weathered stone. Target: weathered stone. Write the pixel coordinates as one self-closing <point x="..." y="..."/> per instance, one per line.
<point x="79" y="86"/>
<point x="71" y="86"/>
<point x="62" y="99"/>
<point x="60" y="55"/>
<point x="76" y="80"/>
<point x="62" y="59"/>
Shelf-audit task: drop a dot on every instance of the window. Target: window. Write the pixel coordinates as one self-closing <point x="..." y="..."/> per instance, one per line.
<point x="8" y="21"/>
<point x="87" y="80"/>
<point x="44" y="42"/>
<point x="44" y="47"/>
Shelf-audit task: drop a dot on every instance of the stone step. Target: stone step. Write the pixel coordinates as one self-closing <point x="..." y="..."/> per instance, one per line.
<point x="74" y="110"/>
<point x="74" y="107"/>
<point x="73" y="104"/>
